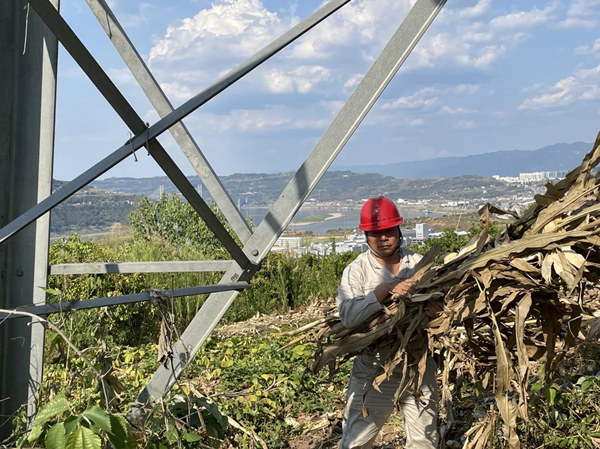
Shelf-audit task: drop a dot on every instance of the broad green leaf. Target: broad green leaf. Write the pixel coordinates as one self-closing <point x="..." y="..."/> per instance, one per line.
<point x="212" y="408"/>
<point x="98" y="417"/>
<point x="49" y="411"/>
<point x="52" y="409"/>
<point x="83" y="438"/>
<point x="172" y="435"/>
<point x="586" y="384"/>
<point x="120" y="435"/>
<point x="71" y="423"/>
<point x="551" y="395"/>
<point x="537" y="386"/>
<point x="56" y="436"/>
<point x="52" y="291"/>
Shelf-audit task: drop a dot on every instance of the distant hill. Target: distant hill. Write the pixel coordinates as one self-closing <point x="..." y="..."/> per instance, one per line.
<point x="262" y="189"/>
<point x="90" y="210"/>
<point x="451" y="178"/>
<point x="560" y="156"/>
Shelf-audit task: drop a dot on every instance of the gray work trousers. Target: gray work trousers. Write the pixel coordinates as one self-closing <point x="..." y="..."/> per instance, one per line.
<point x="420" y="415"/>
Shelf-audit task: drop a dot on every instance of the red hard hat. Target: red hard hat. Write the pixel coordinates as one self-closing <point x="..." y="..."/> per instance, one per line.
<point x="379" y="213"/>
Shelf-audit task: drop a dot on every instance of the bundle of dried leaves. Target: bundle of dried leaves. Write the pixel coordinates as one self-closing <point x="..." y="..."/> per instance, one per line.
<point x="527" y="295"/>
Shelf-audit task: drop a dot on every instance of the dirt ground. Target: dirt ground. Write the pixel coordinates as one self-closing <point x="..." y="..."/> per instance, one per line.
<point x="326" y="434"/>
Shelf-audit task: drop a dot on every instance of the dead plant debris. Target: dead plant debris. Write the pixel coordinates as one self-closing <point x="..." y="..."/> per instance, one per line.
<point x="526" y="296"/>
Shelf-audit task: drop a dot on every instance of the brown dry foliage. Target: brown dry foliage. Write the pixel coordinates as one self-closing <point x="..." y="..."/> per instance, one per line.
<point x="524" y="297"/>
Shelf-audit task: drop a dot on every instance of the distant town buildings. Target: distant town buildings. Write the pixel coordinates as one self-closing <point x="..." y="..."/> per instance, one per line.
<point x="421" y="232"/>
<point x="537" y="176"/>
<point x="353" y="243"/>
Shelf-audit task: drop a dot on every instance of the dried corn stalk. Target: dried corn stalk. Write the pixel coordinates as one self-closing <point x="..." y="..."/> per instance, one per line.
<point x="521" y="297"/>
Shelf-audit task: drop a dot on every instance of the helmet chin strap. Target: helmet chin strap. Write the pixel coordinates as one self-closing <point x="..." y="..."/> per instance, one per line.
<point x="379" y="255"/>
<point x="400" y="241"/>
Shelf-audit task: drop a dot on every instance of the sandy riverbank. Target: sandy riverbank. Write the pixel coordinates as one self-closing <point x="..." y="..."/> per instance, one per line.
<point x="331" y="216"/>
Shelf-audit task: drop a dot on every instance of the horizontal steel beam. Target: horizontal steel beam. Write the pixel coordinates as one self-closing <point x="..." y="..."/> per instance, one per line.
<point x="47" y="309"/>
<point x="177" y="266"/>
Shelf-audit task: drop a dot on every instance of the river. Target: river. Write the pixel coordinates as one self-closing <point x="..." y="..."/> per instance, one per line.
<point x="342" y="217"/>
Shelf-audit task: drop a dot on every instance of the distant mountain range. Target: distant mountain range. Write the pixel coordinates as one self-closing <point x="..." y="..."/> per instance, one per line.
<point x="560" y="156"/>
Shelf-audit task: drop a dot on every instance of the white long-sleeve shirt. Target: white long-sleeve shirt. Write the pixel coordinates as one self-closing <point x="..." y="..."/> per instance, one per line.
<point x="356" y="299"/>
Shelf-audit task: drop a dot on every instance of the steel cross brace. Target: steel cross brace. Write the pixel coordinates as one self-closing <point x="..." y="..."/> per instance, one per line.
<point x="146" y="135"/>
<point x="163" y="106"/>
<point x="297" y="190"/>
<point x="75" y="47"/>
<point x="67" y="306"/>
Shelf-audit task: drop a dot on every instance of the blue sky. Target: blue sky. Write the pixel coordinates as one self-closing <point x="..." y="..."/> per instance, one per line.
<point x="488" y="75"/>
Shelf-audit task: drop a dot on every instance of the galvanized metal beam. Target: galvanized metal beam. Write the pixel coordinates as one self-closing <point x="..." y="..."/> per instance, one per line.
<point x="150" y="295"/>
<point x="163" y="106"/>
<point x="28" y="51"/>
<point x="178" y="266"/>
<point x="298" y="189"/>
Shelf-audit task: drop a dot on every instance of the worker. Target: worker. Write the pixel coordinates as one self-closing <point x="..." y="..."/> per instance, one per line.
<point x="383" y="269"/>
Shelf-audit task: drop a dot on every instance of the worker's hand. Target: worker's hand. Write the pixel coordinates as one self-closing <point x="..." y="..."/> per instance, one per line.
<point x="433" y="309"/>
<point x="405" y="288"/>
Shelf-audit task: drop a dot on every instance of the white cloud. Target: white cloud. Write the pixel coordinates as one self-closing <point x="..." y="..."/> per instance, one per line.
<point x="422" y="99"/>
<point x="522" y="19"/>
<point x="214" y="40"/>
<point x="582" y="86"/>
<point x="302" y="79"/>
<point x="454" y="111"/>
<point x="337" y="53"/>
<point x="561" y="94"/>
<point x="270" y="118"/>
<point x="477" y="37"/>
<point x="120" y="76"/>
<point x="177" y="91"/>
<point x="354" y="80"/>
<point x="465" y="89"/>
<point x="588" y="49"/>
<point x="472" y="12"/>
<point x="465" y="124"/>
<point x="582" y="14"/>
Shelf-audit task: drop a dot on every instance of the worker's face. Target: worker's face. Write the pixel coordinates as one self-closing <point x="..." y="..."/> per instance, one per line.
<point x="385" y="241"/>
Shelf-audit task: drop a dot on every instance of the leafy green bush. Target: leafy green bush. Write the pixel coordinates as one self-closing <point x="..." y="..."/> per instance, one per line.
<point x="286" y="281"/>
<point x="264" y="388"/>
<point x="59" y="427"/>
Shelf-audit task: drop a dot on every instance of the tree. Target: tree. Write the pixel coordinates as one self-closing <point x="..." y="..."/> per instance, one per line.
<point x="173" y="220"/>
<point x="449" y="242"/>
